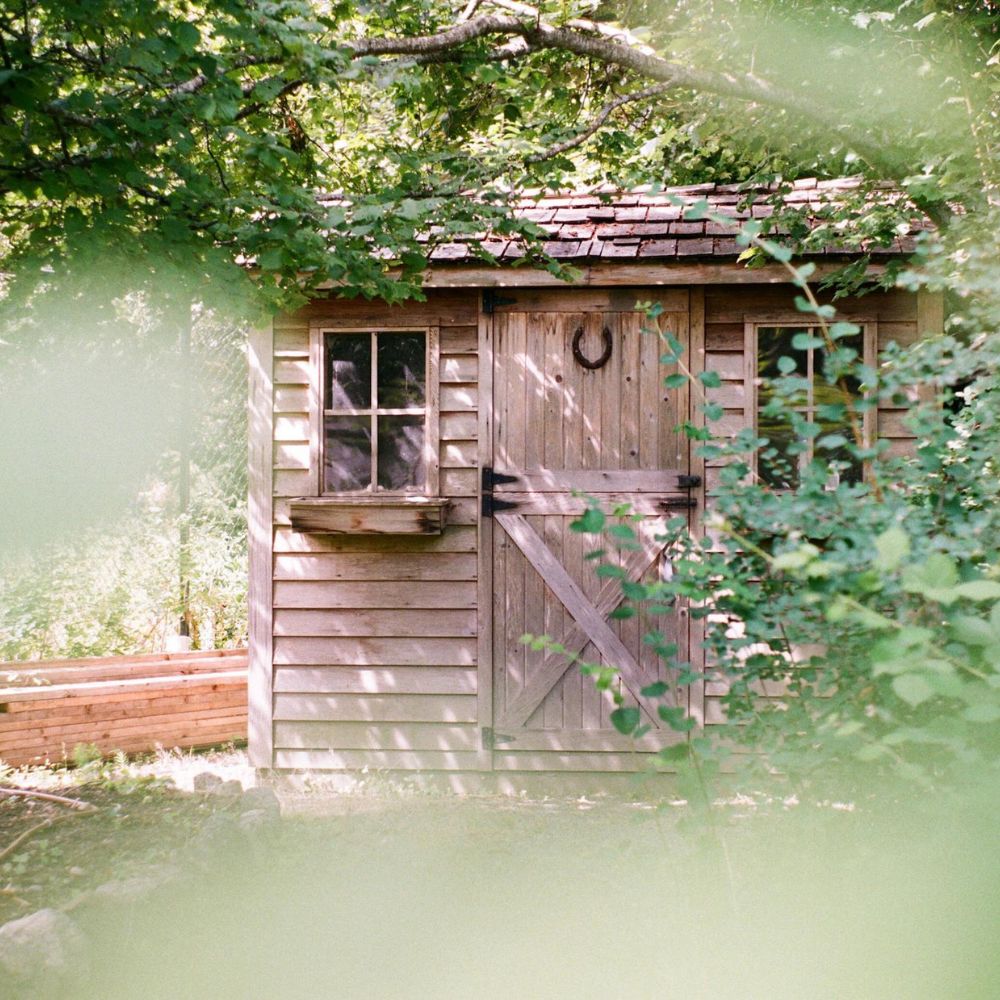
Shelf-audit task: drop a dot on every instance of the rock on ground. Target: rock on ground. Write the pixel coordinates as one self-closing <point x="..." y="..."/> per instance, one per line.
<point x="44" y="952"/>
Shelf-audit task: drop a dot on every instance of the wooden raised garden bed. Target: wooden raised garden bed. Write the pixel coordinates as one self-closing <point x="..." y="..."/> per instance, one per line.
<point x="133" y="703"/>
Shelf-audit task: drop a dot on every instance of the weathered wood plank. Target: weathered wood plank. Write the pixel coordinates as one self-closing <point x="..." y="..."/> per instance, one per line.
<point x="365" y="515"/>
<point x="459" y="397"/>
<point x="577" y="740"/>
<point x="210" y="681"/>
<point x="723" y="336"/>
<point x="291" y="457"/>
<point x="484" y="594"/>
<point x="570" y="762"/>
<point x="375" y="708"/>
<point x="737" y="304"/>
<point x="293" y="483"/>
<point x="654" y="504"/>
<point x="459" y="454"/>
<point x="291" y="427"/>
<point x="459" y="482"/>
<point x="396" y="760"/>
<point x="446" y="308"/>
<point x="574" y="640"/>
<point x="573" y="598"/>
<point x="316" y="595"/>
<point x="454" y="538"/>
<point x="291" y="399"/>
<point x="381" y="622"/>
<point x="458" y="340"/>
<point x="372" y="651"/>
<point x="260" y="516"/>
<point x="375" y="566"/>
<point x="727" y="365"/>
<point x="590" y="300"/>
<point x="375" y="680"/>
<point x="36" y="713"/>
<point x="459" y="368"/>
<point x="598" y="481"/>
<point x="458" y="426"/>
<point x="365" y="736"/>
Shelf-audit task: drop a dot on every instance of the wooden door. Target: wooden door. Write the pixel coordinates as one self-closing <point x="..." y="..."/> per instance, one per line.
<point x="562" y="430"/>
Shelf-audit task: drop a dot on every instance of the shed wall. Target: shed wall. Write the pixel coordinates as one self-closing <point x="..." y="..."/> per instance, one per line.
<point x="375" y="638"/>
<point x="372" y="644"/>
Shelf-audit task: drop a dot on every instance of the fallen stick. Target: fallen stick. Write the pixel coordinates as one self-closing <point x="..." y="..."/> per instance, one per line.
<point x="47" y="796"/>
<point x="19" y="840"/>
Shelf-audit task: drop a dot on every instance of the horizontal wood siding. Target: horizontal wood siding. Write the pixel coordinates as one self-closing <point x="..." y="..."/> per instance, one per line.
<point x="375" y="637"/>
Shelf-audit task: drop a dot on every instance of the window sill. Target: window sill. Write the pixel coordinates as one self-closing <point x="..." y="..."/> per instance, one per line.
<point x="370" y="515"/>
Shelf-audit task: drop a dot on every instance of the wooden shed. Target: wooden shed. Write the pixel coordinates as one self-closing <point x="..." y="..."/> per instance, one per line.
<point x="415" y="469"/>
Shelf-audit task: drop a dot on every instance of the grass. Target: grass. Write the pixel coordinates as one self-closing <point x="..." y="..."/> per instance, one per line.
<point x="412" y="896"/>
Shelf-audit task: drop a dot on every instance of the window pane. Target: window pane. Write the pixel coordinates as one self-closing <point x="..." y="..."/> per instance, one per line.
<point x="348" y="371"/>
<point x="402" y="363"/>
<point x="780" y="471"/>
<point x="348" y="453"/>
<point x="774" y="342"/>
<point x="401" y="453"/>
<point x="822" y="374"/>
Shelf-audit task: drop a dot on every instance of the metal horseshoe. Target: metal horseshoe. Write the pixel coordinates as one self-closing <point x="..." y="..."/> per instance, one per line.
<point x="605" y="354"/>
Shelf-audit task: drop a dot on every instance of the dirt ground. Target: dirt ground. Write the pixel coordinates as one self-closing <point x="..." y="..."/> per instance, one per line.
<point x="143" y="814"/>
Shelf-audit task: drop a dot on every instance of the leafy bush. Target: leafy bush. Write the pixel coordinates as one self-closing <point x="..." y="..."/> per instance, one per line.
<point x="856" y="623"/>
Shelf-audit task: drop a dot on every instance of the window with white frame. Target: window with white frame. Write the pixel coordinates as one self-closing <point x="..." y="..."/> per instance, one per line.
<point x="378" y="422"/>
<point x="794" y="351"/>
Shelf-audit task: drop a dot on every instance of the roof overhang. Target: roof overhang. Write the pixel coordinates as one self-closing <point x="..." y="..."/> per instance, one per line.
<point x="606" y="274"/>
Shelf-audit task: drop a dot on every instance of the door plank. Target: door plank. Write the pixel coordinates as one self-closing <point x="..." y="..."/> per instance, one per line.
<point x="574" y="642"/>
<point x="587" y="617"/>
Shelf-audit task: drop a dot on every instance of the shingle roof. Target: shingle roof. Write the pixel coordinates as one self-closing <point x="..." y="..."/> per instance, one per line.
<point x="643" y="225"/>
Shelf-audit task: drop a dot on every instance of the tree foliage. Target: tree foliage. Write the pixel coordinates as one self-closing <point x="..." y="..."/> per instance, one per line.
<point x="188" y="136"/>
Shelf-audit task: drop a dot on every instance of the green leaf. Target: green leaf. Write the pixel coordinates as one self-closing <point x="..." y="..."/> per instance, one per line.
<point x="972" y="631"/>
<point x="912" y="688"/>
<point x="830" y="442"/>
<point x="805" y="341"/>
<point x="675" y="381"/>
<point x="786" y="365"/>
<point x="710" y="380"/>
<point x="674" y="717"/>
<point x="936" y="579"/>
<point x="796" y="559"/>
<point x="891" y="548"/>
<point x="713" y="411"/>
<point x="625" y="719"/>
<point x="838" y="330"/>
<point x="979" y="590"/>
<point x="982" y="713"/>
<point x="589" y="523"/>
<point x="655" y="690"/>
<point x="623" y="612"/>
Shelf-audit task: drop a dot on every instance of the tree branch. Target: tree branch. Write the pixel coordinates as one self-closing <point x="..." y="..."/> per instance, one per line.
<point x="597" y="121"/>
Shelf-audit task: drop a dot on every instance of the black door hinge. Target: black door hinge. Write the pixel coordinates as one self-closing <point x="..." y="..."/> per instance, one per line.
<point x="491" y="738"/>
<point x="492" y="478"/>
<point x="492" y="505"/>
<point x="688" y="482"/>
<point x="491" y="299"/>
<point x="671" y="502"/>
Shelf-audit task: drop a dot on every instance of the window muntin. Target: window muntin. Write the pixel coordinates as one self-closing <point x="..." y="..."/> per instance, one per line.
<point x="819" y="403"/>
<point x="376" y="418"/>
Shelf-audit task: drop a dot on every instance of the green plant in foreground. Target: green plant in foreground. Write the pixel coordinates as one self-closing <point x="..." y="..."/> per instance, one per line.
<point x="856" y="624"/>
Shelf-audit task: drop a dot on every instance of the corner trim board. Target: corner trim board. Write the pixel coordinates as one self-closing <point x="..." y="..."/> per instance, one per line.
<point x="260" y="504"/>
